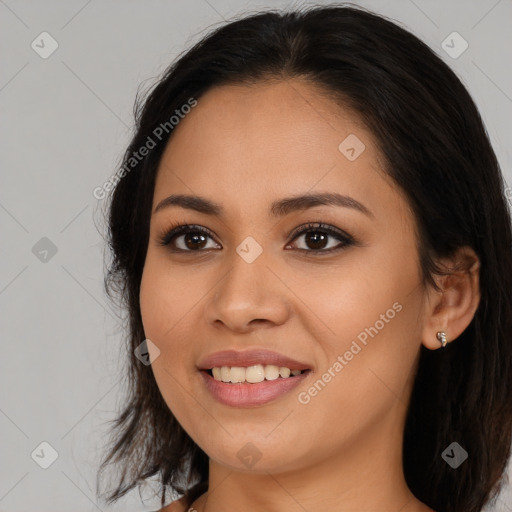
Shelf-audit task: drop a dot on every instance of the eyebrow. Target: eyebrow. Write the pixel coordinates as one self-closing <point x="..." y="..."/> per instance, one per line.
<point x="278" y="208"/>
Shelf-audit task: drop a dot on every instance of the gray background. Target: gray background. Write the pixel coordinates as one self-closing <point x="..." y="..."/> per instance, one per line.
<point x="65" y="122"/>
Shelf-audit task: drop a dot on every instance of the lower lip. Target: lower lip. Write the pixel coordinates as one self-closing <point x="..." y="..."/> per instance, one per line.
<point x="247" y="394"/>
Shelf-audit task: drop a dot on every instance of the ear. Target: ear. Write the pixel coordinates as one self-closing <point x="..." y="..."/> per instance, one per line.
<point x="452" y="308"/>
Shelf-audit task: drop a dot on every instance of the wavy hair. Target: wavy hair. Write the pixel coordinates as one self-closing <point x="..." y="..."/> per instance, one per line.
<point x="435" y="148"/>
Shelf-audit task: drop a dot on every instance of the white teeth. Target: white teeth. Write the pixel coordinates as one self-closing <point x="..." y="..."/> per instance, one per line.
<point x="255" y="374"/>
<point x="284" y="372"/>
<point x="237" y="374"/>
<point x="225" y="373"/>
<point x="252" y="374"/>
<point x="271" y="372"/>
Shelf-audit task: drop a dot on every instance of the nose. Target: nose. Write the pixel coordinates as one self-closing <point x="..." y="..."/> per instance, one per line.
<point x="249" y="295"/>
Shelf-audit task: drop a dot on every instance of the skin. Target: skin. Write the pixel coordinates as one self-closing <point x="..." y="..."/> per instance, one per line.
<point x="244" y="147"/>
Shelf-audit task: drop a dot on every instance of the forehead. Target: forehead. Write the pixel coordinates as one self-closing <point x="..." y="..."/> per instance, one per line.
<point x="270" y="118"/>
<point x="251" y="143"/>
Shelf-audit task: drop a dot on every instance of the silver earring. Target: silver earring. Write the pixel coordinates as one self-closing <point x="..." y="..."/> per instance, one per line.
<point x="441" y="336"/>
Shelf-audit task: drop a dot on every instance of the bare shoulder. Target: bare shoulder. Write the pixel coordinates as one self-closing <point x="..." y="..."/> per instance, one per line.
<point x="180" y="505"/>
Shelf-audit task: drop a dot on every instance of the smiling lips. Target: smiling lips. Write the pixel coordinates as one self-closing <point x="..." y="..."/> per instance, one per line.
<point x="250" y="378"/>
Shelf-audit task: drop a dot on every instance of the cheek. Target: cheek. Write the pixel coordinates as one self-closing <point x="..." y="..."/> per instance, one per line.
<point x="167" y="304"/>
<point x="369" y="290"/>
<point x="165" y="297"/>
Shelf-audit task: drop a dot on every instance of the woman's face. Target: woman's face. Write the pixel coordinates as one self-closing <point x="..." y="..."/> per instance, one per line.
<point x="352" y="315"/>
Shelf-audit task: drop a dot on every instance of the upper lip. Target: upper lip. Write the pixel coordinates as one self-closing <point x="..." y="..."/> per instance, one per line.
<point x="249" y="358"/>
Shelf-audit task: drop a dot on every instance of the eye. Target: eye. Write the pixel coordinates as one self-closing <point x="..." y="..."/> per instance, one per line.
<point x="316" y="237"/>
<point x="192" y="238"/>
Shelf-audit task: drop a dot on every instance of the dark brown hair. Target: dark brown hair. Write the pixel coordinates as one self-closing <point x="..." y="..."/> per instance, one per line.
<point x="436" y="150"/>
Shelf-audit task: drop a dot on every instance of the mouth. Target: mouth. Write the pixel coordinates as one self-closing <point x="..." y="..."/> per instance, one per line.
<point x="245" y="394"/>
<point x="251" y="377"/>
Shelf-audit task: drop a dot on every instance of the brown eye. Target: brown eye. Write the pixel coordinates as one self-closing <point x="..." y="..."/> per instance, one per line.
<point x="187" y="238"/>
<point x="321" y="238"/>
<point x="194" y="240"/>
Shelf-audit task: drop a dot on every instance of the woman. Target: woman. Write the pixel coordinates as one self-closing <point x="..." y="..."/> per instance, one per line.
<point x="311" y="237"/>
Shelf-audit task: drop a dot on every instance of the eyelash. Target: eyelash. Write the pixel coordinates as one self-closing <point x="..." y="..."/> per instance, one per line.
<point x="180" y="229"/>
